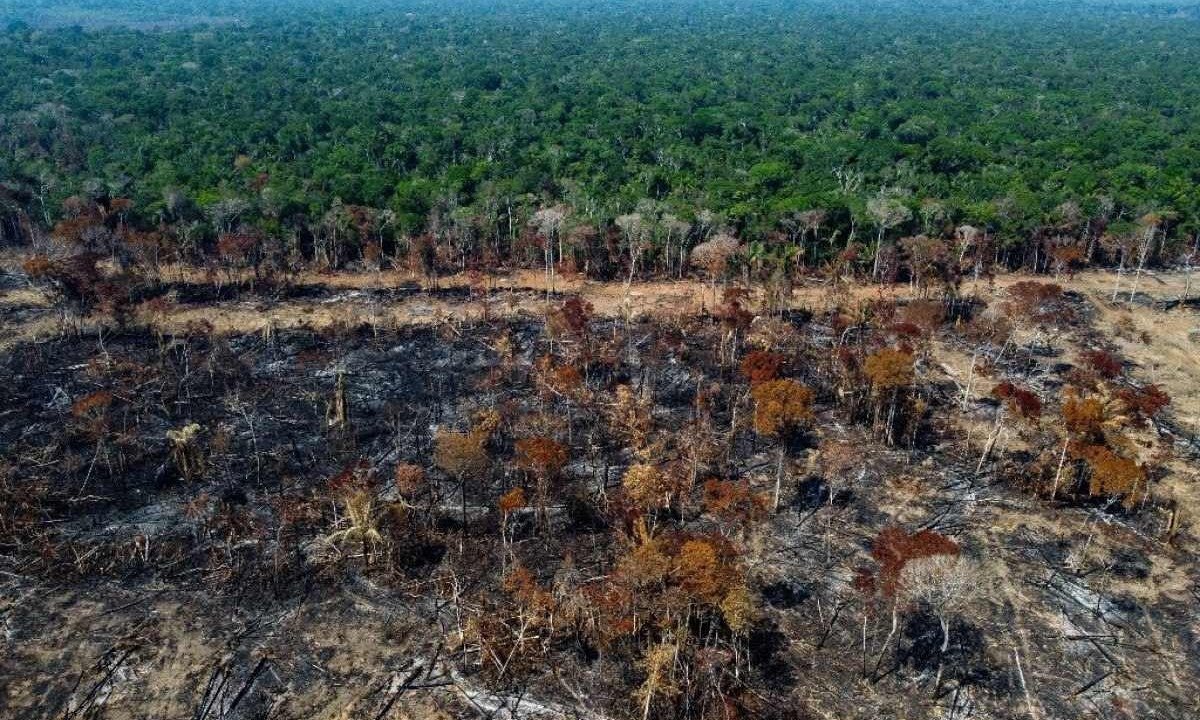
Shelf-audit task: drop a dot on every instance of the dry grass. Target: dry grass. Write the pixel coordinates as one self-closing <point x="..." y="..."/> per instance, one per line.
<point x="1157" y="341"/>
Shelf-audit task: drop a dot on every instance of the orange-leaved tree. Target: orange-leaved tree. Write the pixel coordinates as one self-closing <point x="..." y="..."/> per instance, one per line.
<point x="781" y="408"/>
<point x="463" y="456"/>
<point x="410" y="482"/>
<point x="733" y="502"/>
<point x="544" y="458"/>
<point x="760" y="366"/>
<point x="1083" y="423"/>
<point x="631" y="417"/>
<point x="1092" y="436"/>
<point x="890" y="371"/>
<point x="510" y="502"/>
<point x="1114" y="476"/>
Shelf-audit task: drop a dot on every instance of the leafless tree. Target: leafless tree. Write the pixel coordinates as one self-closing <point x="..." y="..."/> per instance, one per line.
<point x="946" y="584"/>
<point x="888" y="210"/>
<point x="548" y="222"/>
<point x="1149" y="225"/>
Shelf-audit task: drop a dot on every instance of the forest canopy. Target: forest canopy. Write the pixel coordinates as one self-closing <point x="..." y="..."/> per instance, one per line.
<point x="993" y="114"/>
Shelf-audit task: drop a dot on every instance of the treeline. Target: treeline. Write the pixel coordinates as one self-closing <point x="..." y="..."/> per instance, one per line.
<point x="650" y="242"/>
<point x="828" y="136"/>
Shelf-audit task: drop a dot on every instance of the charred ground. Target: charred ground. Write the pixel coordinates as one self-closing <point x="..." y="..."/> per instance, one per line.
<point x="562" y="513"/>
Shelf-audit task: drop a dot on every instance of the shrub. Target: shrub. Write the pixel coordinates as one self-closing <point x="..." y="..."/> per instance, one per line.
<point x="1019" y="401"/>
<point x="760" y="366"/>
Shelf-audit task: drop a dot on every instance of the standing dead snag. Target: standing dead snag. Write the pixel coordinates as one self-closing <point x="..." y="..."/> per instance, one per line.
<point x="988" y="328"/>
<point x="1148" y="229"/>
<point x="842" y="464"/>
<point x="1043" y="305"/>
<point x="659" y="666"/>
<point x="563" y="385"/>
<point x="549" y="222"/>
<point x="735" y="320"/>
<point x="781" y="408"/>
<point x="713" y="257"/>
<point x="926" y="258"/>
<point x="1066" y="257"/>
<point x="516" y="634"/>
<point x="338" y="412"/>
<point x="1120" y="240"/>
<point x="894" y="548"/>
<point x="887" y="210"/>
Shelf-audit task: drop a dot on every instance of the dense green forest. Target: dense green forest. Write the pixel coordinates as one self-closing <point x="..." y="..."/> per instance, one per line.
<point x="810" y="125"/>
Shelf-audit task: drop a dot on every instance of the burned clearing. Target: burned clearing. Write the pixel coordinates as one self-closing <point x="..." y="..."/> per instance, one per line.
<point x="563" y="514"/>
